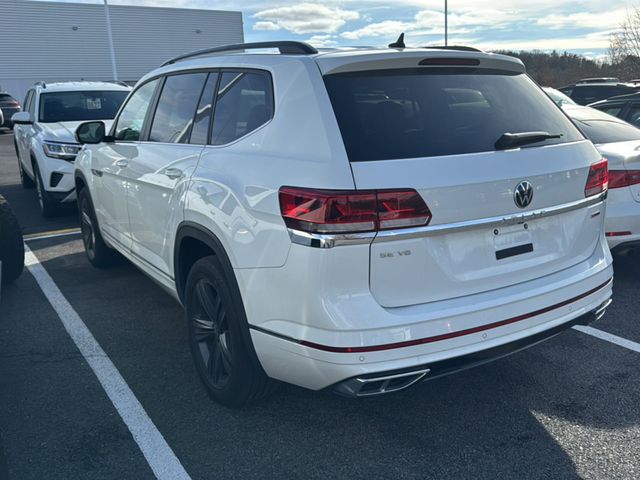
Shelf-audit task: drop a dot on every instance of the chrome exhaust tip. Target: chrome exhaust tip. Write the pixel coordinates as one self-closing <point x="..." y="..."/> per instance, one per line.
<point x="367" y="387"/>
<point x="594" y="315"/>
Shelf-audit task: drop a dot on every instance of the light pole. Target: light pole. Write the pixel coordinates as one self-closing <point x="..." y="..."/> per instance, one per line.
<point x="446" y="22"/>
<point x="110" y="36"/>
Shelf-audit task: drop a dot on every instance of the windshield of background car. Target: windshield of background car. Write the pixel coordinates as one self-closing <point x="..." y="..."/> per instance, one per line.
<point x="80" y="106"/>
<point x="395" y="114"/>
<point x="607" y="131"/>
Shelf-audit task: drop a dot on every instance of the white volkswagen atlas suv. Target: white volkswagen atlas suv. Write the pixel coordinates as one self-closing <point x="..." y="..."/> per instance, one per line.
<point x="357" y="219"/>
<point x="44" y="134"/>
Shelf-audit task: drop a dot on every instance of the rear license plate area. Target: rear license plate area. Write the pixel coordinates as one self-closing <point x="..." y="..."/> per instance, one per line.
<point x="512" y="241"/>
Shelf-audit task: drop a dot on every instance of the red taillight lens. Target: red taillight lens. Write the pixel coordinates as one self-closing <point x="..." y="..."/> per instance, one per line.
<point x="338" y="211"/>
<point x="598" y="179"/>
<point x="623" y="178"/>
<point x="401" y="209"/>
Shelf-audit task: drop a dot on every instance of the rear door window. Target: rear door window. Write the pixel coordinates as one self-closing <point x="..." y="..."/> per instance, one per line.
<point x="611" y="109"/>
<point x="176" y="108"/>
<point x="200" y="131"/>
<point x="386" y="115"/>
<point x="244" y="103"/>
<point x="633" y="117"/>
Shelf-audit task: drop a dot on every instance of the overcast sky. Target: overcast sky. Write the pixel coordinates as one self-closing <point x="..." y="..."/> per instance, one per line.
<point x="581" y="26"/>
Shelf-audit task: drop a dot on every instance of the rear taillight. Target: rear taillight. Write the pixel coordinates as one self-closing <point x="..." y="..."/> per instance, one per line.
<point x="623" y="178"/>
<point x="598" y="179"/>
<point x="340" y="211"/>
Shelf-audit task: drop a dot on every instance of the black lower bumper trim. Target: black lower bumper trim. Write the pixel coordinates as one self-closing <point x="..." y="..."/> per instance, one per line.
<point x="464" y="362"/>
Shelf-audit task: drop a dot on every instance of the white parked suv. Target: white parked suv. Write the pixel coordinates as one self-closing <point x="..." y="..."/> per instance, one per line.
<point x="44" y="134"/>
<point x="358" y="219"/>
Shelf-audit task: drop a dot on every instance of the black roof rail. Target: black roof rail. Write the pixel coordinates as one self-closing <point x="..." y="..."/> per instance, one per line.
<point x="461" y="48"/>
<point x="285" y="47"/>
<point x="40" y="84"/>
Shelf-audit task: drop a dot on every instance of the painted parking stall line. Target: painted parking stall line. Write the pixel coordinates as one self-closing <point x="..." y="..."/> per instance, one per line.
<point x="609" y="337"/>
<point x="53" y="234"/>
<point x="159" y="456"/>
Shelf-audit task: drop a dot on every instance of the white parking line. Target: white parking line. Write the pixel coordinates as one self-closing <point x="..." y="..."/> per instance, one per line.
<point x="608" y="337"/>
<point x="159" y="456"/>
<point x="54" y="234"/>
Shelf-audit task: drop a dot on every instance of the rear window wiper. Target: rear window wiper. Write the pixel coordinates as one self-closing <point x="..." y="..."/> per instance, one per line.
<point x="513" y="140"/>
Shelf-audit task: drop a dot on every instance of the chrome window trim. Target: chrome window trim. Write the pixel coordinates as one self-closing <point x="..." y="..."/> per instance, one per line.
<point x="334" y="240"/>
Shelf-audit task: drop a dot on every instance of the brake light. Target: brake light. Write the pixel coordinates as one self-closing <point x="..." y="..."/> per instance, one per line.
<point x="598" y="179"/>
<point x="352" y="211"/>
<point x="623" y="178"/>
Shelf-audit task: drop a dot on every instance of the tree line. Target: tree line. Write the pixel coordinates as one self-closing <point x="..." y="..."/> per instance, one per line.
<point x="557" y="69"/>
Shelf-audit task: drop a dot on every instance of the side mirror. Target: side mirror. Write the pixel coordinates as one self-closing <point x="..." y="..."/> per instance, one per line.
<point x="22" y="118"/>
<point x="91" y="132"/>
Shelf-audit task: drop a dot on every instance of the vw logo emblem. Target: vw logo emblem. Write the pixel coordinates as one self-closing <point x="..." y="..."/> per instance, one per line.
<point x="523" y="194"/>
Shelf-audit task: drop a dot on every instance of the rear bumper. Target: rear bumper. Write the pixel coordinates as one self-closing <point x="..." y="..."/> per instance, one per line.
<point x="623" y="217"/>
<point x="418" y="336"/>
<point x="396" y="380"/>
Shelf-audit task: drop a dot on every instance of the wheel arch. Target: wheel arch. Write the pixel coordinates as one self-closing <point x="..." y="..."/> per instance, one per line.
<point x="192" y="243"/>
<point x="79" y="180"/>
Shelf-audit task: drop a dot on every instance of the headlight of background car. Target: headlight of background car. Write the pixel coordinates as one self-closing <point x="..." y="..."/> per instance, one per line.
<point x="63" y="151"/>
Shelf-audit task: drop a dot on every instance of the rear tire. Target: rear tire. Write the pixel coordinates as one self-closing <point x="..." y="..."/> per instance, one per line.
<point x="48" y="207"/>
<point x="219" y="338"/>
<point x="11" y="244"/>
<point x="100" y="255"/>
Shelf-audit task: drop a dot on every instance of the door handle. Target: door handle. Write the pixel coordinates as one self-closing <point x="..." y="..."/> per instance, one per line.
<point x="122" y="163"/>
<point x="173" y="173"/>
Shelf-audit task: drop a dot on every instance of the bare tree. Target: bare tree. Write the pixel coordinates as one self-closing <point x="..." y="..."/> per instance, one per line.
<point x="624" y="45"/>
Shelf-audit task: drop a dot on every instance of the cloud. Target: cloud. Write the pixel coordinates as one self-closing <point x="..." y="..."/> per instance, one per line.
<point x="266" y="26"/>
<point x="307" y="18"/>
<point x="323" y="41"/>
<point x="600" y="20"/>
<point x="379" y="29"/>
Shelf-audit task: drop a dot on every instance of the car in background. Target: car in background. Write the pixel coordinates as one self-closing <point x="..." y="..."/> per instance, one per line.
<point x="361" y="220"/>
<point x="11" y="244"/>
<point x="599" y="80"/>
<point x="625" y="107"/>
<point x="1" y="117"/>
<point x="558" y="97"/>
<point x="9" y="106"/>
<point x="619" y="143"/>
<point x="586" y="93"/>
<point x="45" y="142"/>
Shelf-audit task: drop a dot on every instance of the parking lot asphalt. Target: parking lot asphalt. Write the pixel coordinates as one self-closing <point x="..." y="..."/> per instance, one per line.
<point x="568" y="408"/>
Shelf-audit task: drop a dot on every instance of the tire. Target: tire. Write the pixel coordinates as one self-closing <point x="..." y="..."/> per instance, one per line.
<point x="25" y="180"/>
<point x="11" y="244"/>
<point x="48" y="207"/>
<point x="100" y="255"/>
<point x="219" y="338"/>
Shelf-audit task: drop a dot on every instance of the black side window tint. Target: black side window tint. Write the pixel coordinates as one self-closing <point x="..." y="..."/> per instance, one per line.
<point x="173" y="119"/>
<point x="244" y="103"/>
<point x="132" y="117"/>
<point x="614" y="110"/>
<point x="200" y="131"/>
<point x="634" y="115"/>
<point x="27" y="101"/>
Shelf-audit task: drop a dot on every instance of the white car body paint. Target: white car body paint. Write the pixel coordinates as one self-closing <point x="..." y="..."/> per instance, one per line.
<point x="357" y="295"/>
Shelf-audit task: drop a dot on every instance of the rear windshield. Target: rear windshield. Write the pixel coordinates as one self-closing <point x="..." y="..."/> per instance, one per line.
<point x="606" y="131"/>
<point x="80" y="106"/>
<point x="394" y="114"/>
